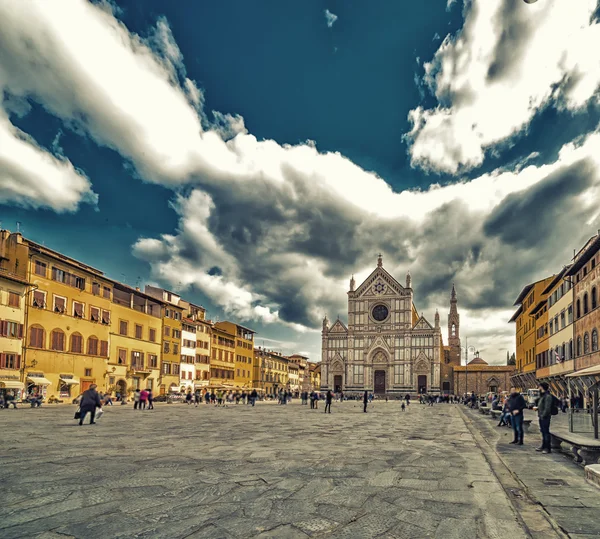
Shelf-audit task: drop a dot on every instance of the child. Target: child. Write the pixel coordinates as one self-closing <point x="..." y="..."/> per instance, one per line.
<point x="403" y="407"/>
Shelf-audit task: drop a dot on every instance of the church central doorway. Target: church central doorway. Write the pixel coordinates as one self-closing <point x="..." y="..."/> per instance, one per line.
<point x="379" y="382"/>
<point x="337" y="383"/>
<point x="422" y="383"/>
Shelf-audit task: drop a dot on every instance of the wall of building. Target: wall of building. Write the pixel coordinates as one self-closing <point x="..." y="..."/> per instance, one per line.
<point x="479" y="378"/>
<point x="587" y="282"/>
<point x="12" y="319"/>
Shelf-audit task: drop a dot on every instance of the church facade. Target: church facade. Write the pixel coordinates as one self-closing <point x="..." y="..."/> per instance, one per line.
<point x="387" y="347"/>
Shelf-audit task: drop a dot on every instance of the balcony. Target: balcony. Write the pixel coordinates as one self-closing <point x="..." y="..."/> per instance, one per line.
<point x="140" y="368"/>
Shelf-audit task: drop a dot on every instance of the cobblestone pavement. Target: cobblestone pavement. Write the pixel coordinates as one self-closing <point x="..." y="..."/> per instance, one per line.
<point x="269" y="471"/>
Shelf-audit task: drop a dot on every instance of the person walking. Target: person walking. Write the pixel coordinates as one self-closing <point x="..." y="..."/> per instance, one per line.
<point x="90" y="400"/>
<point x="150" y="400"/>
<point x="546" y="408"/>
<point x="253" y="396"/>
<point x="365" y="401"/>
<point x="403" y="407"/>
<point x="516" y="406"/>
<point x="328" y="401"/>
<point x="136" y="399"/>
<point x="189" y="397"/>
<point x="143" y="399"/>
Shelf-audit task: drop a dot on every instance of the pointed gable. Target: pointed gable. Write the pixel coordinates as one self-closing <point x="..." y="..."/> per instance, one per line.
<point x="386" y="284"/>
<point x="423" y="324"/>
<point x="338" y="327"/>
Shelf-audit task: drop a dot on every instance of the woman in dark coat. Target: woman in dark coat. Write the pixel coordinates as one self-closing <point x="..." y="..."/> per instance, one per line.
<point x="90" y="400"/>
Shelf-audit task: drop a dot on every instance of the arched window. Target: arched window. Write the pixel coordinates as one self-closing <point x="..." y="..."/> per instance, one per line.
<point x="585" y="304"/>
<point x="57" y="340"/>
<point x="578" y="346"/>
<point x="594" y="298"/>
<point x="37" y="337"/>
<point x="586" y="343"/>
<point x="571" y="349"/>
<point x="92" y="348"/>
<point x="578" y="308"/>
<point x="454" y="330"/>
<point x="595" y="340"/>
<point x="77" y="343"/>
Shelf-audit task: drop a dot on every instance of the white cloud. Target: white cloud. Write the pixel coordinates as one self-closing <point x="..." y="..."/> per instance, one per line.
<point x="509" y="61"/>
<point x="32" y="177"/>
<point x="330" y="18"/>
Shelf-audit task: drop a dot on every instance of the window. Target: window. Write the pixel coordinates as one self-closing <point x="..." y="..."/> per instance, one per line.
<point x="96" y="289"/>
<point x="585" y="303"/>
<point x="176" y="334"/>
<point x="122" y="359"/>
<point x="551" y="327"/>
<point x="166" y="368"/>
<point x="88" y="372"/>
<point x="578" y="308"/>
<point x="76" y="343"/>
<point x="175" y="368"/>
<point x="138" y="331"/>
<point x="152" y="335"/>
<point x="67" y="278"/>
<point x="78" y="309"/>
<point x="571" y="355"/>
<point x="594" y="298"/>
<point x="166" y="347"/>
<point x="104" y="348"/>
<point x="106" y="292"/>
<point x="176" y="348"/>
<point x="40" y="268"/>
<point x="106" y="317"/>
<point x="94" y="314"/>
<point x="13" y="330"/>
<point x="122" y="327"/>
<point x="570" y="314"/>
<point x="137" y="360"/>
<point x="586" y="343"/>
<point x="10" y="361"/>
<point x="578" y="346"/>
<point x="153" y="361"/>
<point x="39" y="299"/>
<point x="36" y="337"/>
<point x="562" y="320"/>
<point x="57" y="340"/>
<point x="59" y="304"/>
<point x="14" y="300"/>
<point x="167" y="331"/>
<point x="92" y="346"/>
<point x="594" y="340"/>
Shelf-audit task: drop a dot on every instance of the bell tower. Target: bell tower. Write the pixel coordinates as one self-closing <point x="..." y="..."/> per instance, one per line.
<point x="454" y="329"/>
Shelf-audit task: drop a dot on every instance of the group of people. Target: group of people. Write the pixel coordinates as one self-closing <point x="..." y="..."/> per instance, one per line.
<point x="221" y="398"/>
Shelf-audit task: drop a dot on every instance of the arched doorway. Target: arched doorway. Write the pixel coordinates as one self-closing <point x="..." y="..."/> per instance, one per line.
<point x="121" y="388"/>
<point x="379" y="360"/>
<point x="379" y="381"/>
<point x="337" y="375"/>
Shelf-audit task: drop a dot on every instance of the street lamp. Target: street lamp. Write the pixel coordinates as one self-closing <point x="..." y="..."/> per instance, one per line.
<point x="467" y="349"/>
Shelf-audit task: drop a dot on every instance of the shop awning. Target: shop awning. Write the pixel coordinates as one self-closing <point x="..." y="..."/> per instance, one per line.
<point x="590" y="371"/>
<point x="70" y="381"/>
<point x="11" y="384"/>
<point x="39" y="381"/>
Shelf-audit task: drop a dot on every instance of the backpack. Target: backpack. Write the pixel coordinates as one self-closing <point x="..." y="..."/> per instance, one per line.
<point x="555" y="405"/>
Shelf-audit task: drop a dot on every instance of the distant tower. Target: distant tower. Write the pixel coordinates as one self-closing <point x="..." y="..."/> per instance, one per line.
<point x="437" y="319"/>
<point x="454" y="329"/>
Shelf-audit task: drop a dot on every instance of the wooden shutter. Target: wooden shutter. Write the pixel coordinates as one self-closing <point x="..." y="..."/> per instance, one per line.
<point x="18" y="364"/>
<point x="2" y="361"/>
<point x="94" y="314"/>
<point x="104" y="348"/>
<point x="38" y="299"/>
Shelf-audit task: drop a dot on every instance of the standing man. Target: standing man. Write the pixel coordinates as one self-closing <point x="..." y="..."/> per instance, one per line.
<point x="143" y="399"/>
<point x="150" y="400"/>
<point x="544" y="410"/>
<point x="328" y="400"/>
<point x="365" y="401"/>
<point x="516" y="405"/>
<point x="90" y="400"/>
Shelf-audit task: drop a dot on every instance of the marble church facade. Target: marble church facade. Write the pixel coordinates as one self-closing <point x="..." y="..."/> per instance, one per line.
<point x="387" y="347"/>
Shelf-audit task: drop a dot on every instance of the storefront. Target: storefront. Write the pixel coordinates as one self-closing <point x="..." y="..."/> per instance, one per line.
<point x="67" y="386"/>
<point x="37" y="384"/>
<point x="11" y="385"/>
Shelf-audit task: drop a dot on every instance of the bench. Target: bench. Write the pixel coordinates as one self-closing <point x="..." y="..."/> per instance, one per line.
<point x="484" y="410"/>
<point x="585" y="450"/>
<point x="495" y="414"/>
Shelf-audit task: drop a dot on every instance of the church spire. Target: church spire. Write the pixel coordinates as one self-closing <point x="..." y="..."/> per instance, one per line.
<point x="453" y="295"/>
<point x="379" y="261"/>
<point x="352" y="284"/>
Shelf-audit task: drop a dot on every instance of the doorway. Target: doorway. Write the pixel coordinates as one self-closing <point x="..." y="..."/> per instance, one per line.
<point x="337" y="383"/>
<point x="422" y="383"/>
<point x="446" y="388"/>
<point x="121" y="388"/>
<point x="85" y="385"/>
<point x="379" y="382"/>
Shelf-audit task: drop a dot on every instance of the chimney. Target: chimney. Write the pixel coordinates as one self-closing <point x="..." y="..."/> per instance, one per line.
<point x="138" y="288"/>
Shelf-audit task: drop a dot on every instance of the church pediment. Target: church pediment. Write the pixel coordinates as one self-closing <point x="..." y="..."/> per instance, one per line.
<point x="422" y="324"/>
<point x="380" y="283"/>
<point x="338" y="327"/>
<point x="421" y="363"/>
<point x="379" y="342"/>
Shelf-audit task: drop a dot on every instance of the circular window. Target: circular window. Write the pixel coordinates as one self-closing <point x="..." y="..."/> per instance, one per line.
<point x="380" y="313"/>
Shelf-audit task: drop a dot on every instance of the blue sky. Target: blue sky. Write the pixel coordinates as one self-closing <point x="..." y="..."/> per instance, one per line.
<point x="452" y="138"/>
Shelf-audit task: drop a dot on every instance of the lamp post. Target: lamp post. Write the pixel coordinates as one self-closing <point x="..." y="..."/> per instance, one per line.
<point x="467" y="349"/>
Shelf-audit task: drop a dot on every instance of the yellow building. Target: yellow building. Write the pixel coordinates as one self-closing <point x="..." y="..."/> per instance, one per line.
<point x="526" y="336"/>
<point x="13" y="290"/>
<point x="222" y="361"/>
<point x="67" y="320"/>
<point x="135" y="341"/>
<point x="315" y="376"/>
<point x="274" y="372"/>
<point x="244" y="353"/>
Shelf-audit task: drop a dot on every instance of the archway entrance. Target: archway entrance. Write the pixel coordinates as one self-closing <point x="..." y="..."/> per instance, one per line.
<point x="121" y="388"/>
<point x="337" y="383"/>
<point x="422" y="383"/>
<point x="379" y="382"/>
